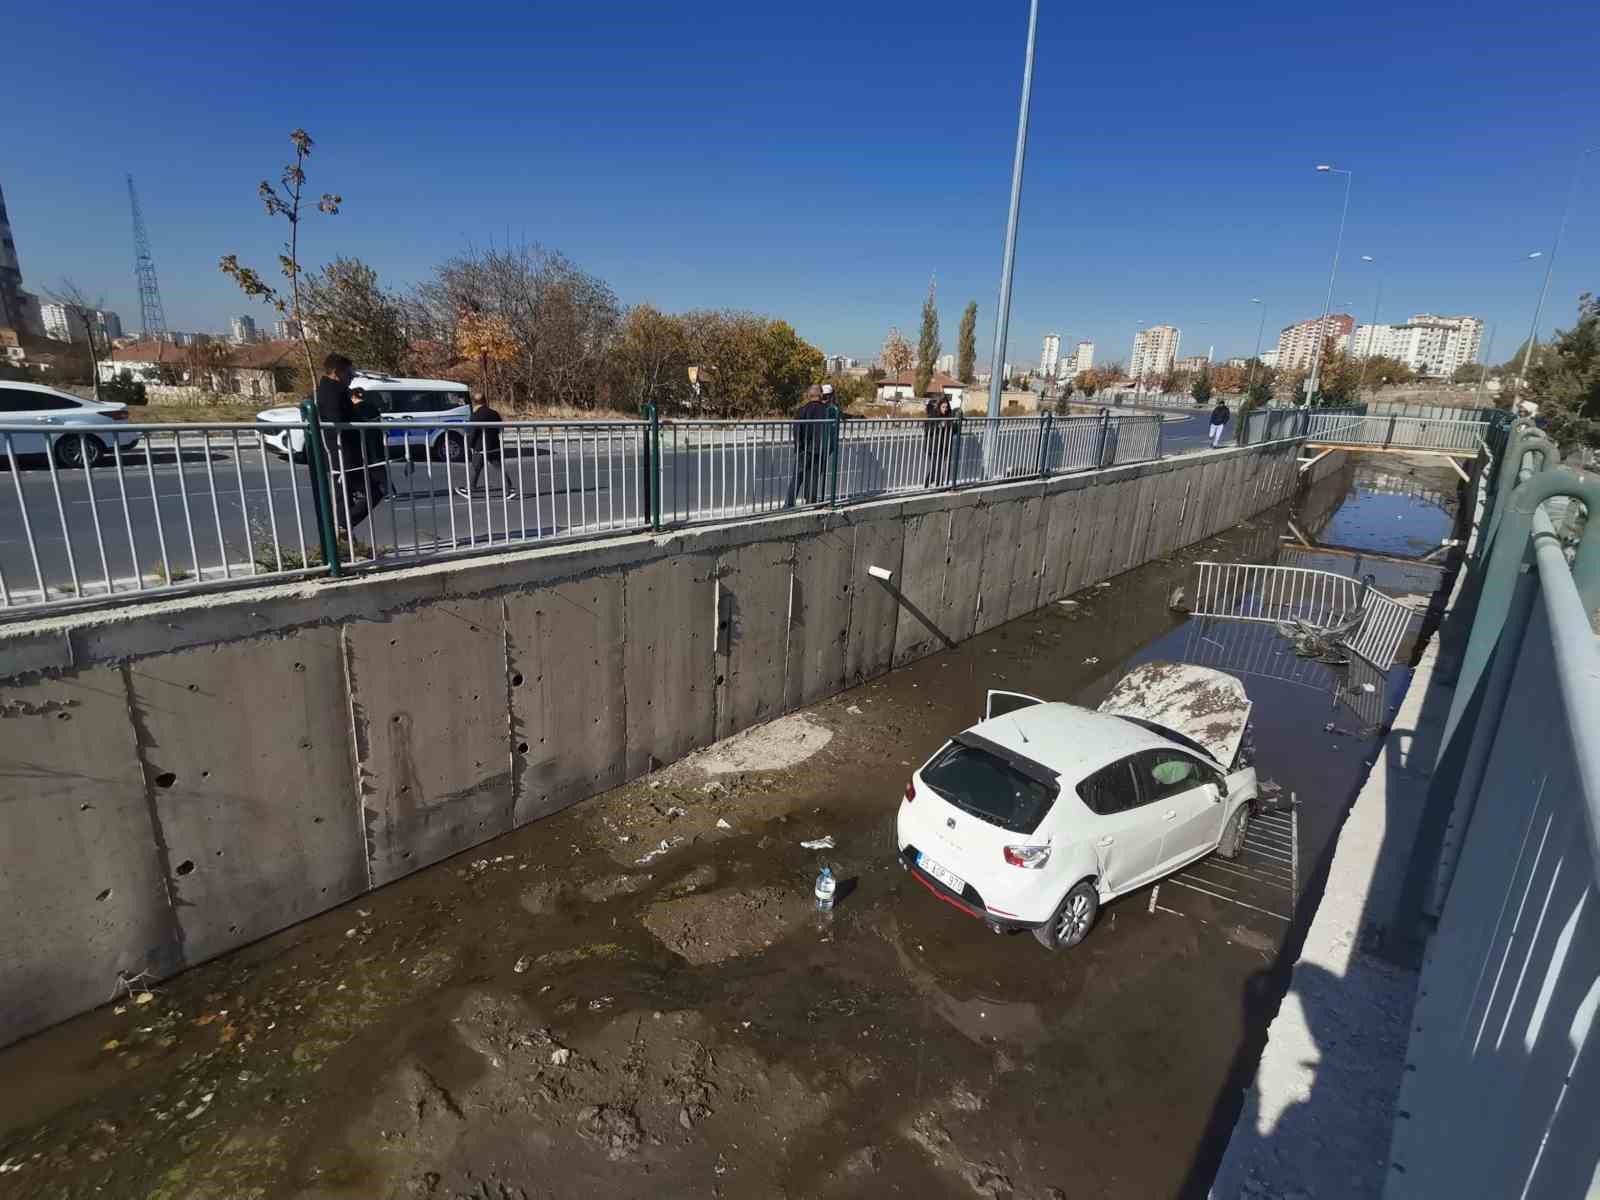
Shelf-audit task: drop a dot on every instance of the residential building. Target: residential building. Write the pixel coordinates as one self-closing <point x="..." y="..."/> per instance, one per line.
<point x="1051" y="356"/>
<point x="242" y="331"/>
<point x="1269" y="358"/>
<point x="287" y="329"/>
<point x="1154" y="351"/>
<point x="61" y="323"/>
<point x="902" y="389"/>
<point x="1298" y="344"/>
<point x="1427" y="343"/>
<point x="1237" y="362"/>
<point x="1080" y="360"/>
<point x="261" y="369"/>
<point x="1193" y="365"/>
<point x="11" y="347"/>
<point x="947" y="364"/>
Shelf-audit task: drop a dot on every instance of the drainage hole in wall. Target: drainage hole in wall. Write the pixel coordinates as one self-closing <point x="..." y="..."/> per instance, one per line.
<point x="205" y="774"/>
<point x="516" y="680"/>
<point x="407" y="854"/>
<point x="316" y="820"/>
<point x="306" y="744"/>
<point x="233" y="929"/>
<point x="522" y="747"/>
<point x="105" y="895"/>
<point x="85" y="807"/>
<point x="166" y="779"/>
<point x="186" y="867"/>
<point x="63" y="716"/>
<point x="194" y="687"/>
<point x="299" y="666"/>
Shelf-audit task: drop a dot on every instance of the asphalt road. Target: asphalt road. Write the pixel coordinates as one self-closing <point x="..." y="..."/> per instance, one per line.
<point x="225" y="514"/>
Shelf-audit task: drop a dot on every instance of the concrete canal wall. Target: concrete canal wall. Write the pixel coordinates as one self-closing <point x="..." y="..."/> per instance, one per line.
<point x="180" y="778"/>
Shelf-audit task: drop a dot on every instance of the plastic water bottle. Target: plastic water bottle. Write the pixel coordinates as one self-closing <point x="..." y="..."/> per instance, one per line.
<point x="825" y="885"/>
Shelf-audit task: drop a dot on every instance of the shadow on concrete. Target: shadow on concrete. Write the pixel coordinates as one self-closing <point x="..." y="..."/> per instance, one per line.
<point x="901" y="599"/>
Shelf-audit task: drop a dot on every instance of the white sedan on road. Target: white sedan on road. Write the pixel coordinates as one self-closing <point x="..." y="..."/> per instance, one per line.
<point x="77" y="432"/>
<point x="1042" y="812"/>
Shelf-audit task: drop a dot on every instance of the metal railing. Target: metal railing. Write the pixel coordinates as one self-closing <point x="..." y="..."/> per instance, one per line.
<point x="1415" y="433"/>
<point x="1274" y="423"/>
<point x="95" y="513"/>
<point x="1498" y="1097"/>
<point x="1265" y="592"/>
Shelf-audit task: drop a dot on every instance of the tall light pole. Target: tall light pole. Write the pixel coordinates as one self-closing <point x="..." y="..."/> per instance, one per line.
<point x="1372" y="330"/>
<point x="1261" y="326"/>
<point x="1322" y="325"/>
<point x="1002" y="319"/>
<point x="1550" y="265"/>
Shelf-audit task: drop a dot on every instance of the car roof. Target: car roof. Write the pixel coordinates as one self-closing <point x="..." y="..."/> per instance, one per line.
<point x="52" y="391"/>
<point x="1074" y="742"/>
<point x="377" y="380"/>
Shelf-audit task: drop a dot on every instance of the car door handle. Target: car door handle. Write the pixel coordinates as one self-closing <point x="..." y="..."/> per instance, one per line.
<point x="1104" y="842"/>
<point x="1170" y="815"/>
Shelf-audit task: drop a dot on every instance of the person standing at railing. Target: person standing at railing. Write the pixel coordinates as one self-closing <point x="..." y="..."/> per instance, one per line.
<point x="810" y="442"/>
<point x="485" y="448"/>
<point x="1219" y="422"/>
<point x="938" y="435"/>
<point x="342" y="446"/>
<point x="371" y="476"/>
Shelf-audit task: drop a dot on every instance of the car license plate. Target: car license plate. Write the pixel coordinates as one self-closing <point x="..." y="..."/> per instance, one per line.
<point x="949" y="878"/>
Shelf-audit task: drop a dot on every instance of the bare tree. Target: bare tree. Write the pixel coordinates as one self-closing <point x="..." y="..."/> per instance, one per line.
<point x="285" y="201"/>
<point x="77" y="303"/>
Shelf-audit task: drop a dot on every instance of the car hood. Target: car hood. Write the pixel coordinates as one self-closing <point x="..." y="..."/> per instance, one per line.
<point x="279" y="416"/>
<point x="1208" y="707"/>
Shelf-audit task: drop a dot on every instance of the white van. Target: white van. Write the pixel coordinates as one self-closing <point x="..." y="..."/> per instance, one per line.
<point x="399" y="400"/>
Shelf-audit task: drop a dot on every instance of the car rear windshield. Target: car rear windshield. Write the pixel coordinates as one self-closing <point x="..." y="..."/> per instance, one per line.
<point x="980" y="782"/>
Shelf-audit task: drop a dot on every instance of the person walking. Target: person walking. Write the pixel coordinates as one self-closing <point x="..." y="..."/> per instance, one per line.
<point x="1219" y="422"/>
<point x="371" y="475"/>
<point x="341" y="447"/>
<point x="809" y="438"/>
<point x="485" y="448"/>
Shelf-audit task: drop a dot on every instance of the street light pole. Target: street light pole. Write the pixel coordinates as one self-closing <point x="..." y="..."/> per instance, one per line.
<point x="1550" y="266"/>
<point x="1002" y="319"/>
<point x="1372" y="330"/>
<point x="1483" y="375"/>
<point x="1322" y="325"/>
<point x="1261" y="325"/>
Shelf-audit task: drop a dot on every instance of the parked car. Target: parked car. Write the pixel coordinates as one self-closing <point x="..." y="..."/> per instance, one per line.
<point x="77" y="432"/>
<point x="1042" y="812"/>
<point x="400" y="401"/>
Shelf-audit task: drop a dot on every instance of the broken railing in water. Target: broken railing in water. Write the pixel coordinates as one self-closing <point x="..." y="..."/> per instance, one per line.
<point x="1323" y="612"/>
<point x="120" y="511"/>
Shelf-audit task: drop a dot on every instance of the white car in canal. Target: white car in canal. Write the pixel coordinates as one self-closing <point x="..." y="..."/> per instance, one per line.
<point x="1040" y="813"/>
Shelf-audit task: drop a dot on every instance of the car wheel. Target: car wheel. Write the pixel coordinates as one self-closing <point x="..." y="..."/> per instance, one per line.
<point x="1072" y="920"/>
<point x="79" y="450"/>
<point x="1233" y="836"/>
<point x="451" y="446"/>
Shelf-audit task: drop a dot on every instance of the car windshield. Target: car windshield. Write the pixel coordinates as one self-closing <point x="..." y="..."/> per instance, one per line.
<point x="980" y="782"/>
<point x="1172" y="735"/>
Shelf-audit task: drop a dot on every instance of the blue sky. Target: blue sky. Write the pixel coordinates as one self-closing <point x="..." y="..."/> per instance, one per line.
<point x="818" y="162"/>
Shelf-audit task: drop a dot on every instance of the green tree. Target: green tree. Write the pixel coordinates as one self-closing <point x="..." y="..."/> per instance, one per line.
<point x="1564" y="379"/>
<point x="967" y="344"/>
<point x="1201" y="388"/>
<point x="928" y="346"/>
<point x="790" y="364"/>
<point x="350" y="312"/>
<point x="652" y="357"/>
<point x="1259" y="393"/>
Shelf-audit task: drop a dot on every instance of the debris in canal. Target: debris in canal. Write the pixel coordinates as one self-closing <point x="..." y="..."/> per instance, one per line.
<point x="821" y="843"/>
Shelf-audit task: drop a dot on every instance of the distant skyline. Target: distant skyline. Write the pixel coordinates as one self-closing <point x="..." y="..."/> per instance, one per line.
<point x="720" y="155"/>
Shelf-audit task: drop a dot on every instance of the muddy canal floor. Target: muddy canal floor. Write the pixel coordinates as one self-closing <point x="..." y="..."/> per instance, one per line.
<point x="636" y="997"/>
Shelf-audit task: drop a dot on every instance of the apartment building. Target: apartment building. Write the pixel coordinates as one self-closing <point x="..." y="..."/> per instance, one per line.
<point x="1154" y="351"/>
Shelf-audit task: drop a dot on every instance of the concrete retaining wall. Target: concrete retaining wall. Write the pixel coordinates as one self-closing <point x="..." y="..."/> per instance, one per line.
<point x="180" y="778"/>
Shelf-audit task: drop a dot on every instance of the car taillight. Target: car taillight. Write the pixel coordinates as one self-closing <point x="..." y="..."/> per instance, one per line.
<point x="1032" y="857"/>
<point x="911" y="790"/>
<point x="118" y="414"/>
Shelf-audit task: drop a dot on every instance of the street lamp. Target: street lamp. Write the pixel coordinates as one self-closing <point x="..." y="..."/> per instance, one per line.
<point x="1372" y="330"/>
<point x="1550" y="266"/>
<point x="1002" y="318"/>
<point x="1322" y="326"/>
<point x="1256" y="357"/>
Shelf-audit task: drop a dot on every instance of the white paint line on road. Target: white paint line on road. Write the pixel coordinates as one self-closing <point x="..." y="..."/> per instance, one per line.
<point x="1228" y="899"/>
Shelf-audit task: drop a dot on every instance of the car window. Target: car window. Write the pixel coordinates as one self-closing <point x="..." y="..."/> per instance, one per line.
<point x="1111" y="789"/>
<point x="981" y="783"/>
<point x="1164" y="773"/>
<point x="18" y="400"/>
<point x="445" y="401"/>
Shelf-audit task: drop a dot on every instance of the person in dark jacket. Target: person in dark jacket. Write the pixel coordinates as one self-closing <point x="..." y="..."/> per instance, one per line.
<point x="1219" y="422"/>
<point x="485" y="448"/>
<point x="812" y="437"/>
<point x="938" y="436"/>
<point x="343" y="447"/>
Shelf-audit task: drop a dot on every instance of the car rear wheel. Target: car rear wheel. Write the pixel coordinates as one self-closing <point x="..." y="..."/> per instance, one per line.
<point x="79" y="450"/>
<point x="1233" y="836"/>
<point x="1073" y="920"/>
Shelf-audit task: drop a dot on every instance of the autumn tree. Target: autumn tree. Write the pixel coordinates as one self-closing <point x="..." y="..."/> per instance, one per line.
<point x="351" y="313"/>
<point x="1087" y="382"/>
<point x="286" y="201"/>
<point x="896" y="353"/>
<point x="1565" y="379"/>
<point x="1201" y="388"/>
<point x="928" y="346"/>
<point x="486" y="339"/>
<point x="967" y="344"/>
<point x="652" y="356"/>
<point x="1229" y="381"/>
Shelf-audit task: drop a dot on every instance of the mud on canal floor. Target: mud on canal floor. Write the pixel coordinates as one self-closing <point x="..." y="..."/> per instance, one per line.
<point x="636" y="997"/>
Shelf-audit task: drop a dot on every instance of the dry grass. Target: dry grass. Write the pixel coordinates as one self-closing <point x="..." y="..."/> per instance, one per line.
<point x="209" y="414"/>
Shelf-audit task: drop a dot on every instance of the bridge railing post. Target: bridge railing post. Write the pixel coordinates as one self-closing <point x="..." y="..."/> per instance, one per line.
<point x="1045" y="424"/>
<point x="651" y="483"/>
<point x="834" y="434"/>
<point x="321" y="492"/>
<point x="955" y="455"/>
